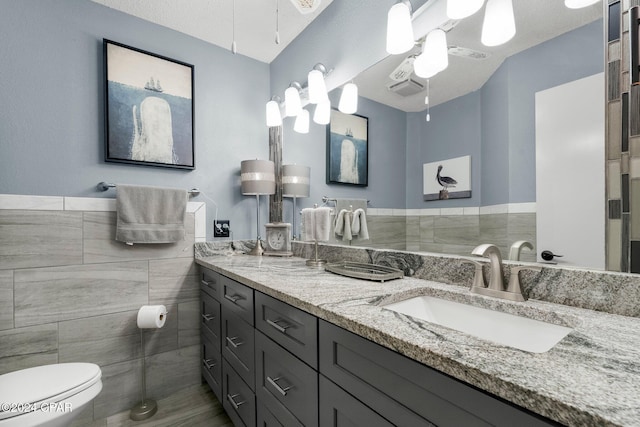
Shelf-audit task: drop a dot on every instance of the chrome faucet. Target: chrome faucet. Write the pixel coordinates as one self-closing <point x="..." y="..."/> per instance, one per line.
<point x="514" y="252"/>
<point x="496" y="287"/>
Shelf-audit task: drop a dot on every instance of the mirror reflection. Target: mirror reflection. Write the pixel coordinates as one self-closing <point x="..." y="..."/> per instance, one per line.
<point x="494" y="104"/>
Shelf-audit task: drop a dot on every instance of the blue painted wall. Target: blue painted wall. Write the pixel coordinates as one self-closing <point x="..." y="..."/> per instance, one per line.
<point x="52" y="113"/>
<point x="496" y="125"/>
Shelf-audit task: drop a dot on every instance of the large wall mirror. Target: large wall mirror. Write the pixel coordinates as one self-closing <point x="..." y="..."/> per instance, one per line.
<point x="489" y="104"/>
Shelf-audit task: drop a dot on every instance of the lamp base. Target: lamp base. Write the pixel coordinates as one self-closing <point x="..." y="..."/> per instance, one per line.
<point x="144" y="410"/>
<point x="257" y="249"/>
<point x="318" y="263"/>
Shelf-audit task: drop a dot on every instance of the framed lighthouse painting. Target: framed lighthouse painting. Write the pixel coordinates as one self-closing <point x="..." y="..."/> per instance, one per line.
<point x="447" y="179"/>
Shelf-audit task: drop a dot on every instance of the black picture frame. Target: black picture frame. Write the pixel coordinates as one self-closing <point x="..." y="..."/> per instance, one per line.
<point x="148" y="122"/>
<point x="348" y="137"/>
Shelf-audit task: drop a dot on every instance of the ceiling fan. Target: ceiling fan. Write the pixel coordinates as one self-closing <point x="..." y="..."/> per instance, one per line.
<point x="306" y="6"/>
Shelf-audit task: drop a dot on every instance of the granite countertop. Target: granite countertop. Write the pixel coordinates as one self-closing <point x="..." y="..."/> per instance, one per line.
<point x="591" y="377"/>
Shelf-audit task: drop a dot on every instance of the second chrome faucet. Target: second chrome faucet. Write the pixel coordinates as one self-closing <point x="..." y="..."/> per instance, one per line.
<point x="497" y="288"/>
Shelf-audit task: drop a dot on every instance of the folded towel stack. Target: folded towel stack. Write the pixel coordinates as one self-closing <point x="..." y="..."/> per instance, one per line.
<point x="316" y="224"/>
<point x="150" y="214"/>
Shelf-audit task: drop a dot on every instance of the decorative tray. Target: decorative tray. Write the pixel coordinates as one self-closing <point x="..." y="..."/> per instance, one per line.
<point x="359" y="270"/>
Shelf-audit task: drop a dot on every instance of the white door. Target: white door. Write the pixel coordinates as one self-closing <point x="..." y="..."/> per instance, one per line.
<point x="570" y="167"/>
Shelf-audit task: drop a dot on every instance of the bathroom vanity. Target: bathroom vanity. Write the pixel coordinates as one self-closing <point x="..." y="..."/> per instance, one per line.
<point x="284" y="344"/>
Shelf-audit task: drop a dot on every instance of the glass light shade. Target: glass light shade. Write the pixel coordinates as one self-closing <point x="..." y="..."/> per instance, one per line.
<point x="577" y="4"/>
<point x="257" y="177"/>
<point x="499" y="25"/>
<point x="349" y="99"/>
<point x="399" y="29"/>
<point x="295" y="180"/>
<point x="458" y="9"/>
<point x="301" y="124"/>
<point x="292" y="103"/>
<point x="434" y="57"/>
<point x="273" y="114"/>
<point x="322" y="114"/>
<point x="317" y="87"/>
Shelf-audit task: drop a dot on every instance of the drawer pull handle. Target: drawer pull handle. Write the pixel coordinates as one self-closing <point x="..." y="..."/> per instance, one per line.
<point x="234" y="299"/>
<point x="233" y="342"/>
<point x="207" y="363"/>
<point x="231" y="399"/>
<point x="208" y="283"/>
<point x="274" y="324"/>
<point x="208" y="317"/>
<point x="273" y="382"/>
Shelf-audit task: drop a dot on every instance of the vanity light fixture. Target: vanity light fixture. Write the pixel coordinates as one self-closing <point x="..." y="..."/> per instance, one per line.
<point x="349" y="99"/>
<point x="434" y="57"/>
<point x="499" y="24"/>
<point x="292" y="102"/>
<point x="399" y="28"/>
<point x="322" y="114"/>
<point x="317" y="86"/>
<point x="257" y="177"/>
<point x="301" y="124"/>
<point x="577" y="4"/>
<point x="274" y="117"/>
<point x="459" y="9"/>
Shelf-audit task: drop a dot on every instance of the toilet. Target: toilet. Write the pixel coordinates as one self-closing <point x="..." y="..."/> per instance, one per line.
<point x="49" y="395"/>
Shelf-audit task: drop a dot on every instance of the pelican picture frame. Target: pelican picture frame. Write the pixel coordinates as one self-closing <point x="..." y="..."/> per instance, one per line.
<point x="348" y="149"/>
<point x="447" y="179"/>
<point x="149" y="108"/>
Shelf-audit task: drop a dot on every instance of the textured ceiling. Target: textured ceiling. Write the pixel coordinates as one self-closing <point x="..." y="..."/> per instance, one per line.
<point x="211" y="21"/>
<point x="536" y="22"/>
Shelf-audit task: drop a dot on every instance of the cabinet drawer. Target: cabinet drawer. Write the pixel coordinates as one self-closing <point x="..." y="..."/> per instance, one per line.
<point x="210" y="317"/>
<point x="238" y="399"/>
<point x="290" y="327"/>
<point x="211" y="283"/>
<point x="238" y="346"/>
<point x="238" y="299"/>
<point x="339" y="409"/>
<point x="381" y="378"/>
<point x="285" y="385"/>
<point x="266" y="418"/>
<point x="212" y="366"/>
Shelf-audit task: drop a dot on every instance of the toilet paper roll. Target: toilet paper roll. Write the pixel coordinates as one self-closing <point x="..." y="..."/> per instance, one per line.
<point x="152" y="316"/>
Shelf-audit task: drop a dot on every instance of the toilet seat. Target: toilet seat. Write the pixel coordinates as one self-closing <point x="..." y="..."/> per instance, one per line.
<point x="48" y="383"/>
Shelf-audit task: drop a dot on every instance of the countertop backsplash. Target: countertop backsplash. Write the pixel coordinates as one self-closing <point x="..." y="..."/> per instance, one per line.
<point x="609" y="292"/>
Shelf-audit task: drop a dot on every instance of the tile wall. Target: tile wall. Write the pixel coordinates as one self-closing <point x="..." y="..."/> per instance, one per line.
<point x="70" y="293"/>
<point x="623" y="143"/>
<point x="452" y="231"/>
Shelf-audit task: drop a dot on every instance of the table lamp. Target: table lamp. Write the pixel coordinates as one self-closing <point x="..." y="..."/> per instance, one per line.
<point x="295" y="183"/>
<point x="257" y="177"/>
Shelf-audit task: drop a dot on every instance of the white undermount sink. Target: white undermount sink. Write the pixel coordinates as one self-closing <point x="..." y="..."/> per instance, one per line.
<point x="507" y="329"/>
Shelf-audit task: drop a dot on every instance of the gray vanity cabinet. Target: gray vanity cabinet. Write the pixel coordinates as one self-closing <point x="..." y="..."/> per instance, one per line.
<point x="339" y="409"/>
<point x="381" y="379"/>
<point x="210" y="319"/>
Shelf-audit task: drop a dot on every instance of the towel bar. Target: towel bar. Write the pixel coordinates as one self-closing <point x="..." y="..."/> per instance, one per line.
<point x="104" y="186"/>
<point x="326" y="199"/>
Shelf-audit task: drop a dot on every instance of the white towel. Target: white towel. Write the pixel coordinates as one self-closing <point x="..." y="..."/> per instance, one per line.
<point x="359" y="226"/>
<point x="342" y="226"/>
<point x="323" y="224"/>
<point x="308" y="225"/>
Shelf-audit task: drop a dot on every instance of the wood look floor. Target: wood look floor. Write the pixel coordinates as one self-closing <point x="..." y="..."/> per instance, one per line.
<point x="194" y="407"/>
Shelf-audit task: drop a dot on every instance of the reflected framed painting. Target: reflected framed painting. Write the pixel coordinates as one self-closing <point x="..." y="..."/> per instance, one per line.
<point x="348" y="149"/>
<point x="149" y="108"/>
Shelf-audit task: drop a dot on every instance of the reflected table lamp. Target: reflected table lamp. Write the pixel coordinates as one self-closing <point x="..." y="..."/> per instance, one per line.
<point x="257" y="177"/>
<point x="295" y="183"/>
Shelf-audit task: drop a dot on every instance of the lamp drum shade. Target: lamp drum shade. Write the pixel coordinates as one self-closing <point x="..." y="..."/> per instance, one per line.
<point x="257" y="177"/>
<point x="295" y="180"/>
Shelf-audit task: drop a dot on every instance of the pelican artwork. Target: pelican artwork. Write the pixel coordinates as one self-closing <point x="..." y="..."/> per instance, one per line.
<point x="445" y="182"/>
